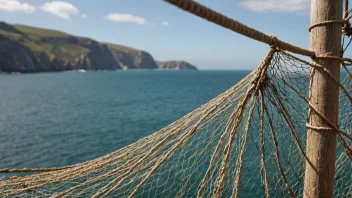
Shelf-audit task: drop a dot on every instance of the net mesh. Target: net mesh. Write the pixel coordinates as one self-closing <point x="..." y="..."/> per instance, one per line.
<point x="250" y="141"/>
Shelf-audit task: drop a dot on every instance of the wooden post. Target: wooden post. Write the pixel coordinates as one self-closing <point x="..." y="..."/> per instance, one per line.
<point x="323" y="95"/>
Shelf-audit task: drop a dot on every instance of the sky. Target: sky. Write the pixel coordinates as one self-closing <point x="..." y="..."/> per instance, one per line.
<point x="167" y="32"/>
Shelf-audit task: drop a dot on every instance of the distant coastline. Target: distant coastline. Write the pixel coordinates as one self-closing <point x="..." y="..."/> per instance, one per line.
<point x="25" y="49"/>
<point x="98" y="70"/>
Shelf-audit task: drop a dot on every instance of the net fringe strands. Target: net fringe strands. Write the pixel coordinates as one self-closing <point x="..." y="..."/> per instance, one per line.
<point x="247" y="142"/>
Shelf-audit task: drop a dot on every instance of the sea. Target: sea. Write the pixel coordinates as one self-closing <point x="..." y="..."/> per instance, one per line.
<point x="64" y="118"/>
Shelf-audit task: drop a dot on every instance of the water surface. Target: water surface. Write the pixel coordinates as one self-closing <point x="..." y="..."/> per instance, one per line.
<point x="59" y="119"/>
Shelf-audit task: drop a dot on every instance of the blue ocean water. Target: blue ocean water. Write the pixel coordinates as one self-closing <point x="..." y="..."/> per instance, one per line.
<point x="59" y="119"/>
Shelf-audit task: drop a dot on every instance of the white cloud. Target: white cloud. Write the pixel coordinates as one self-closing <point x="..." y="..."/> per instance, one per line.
<point x="164" y="23"/>
<point x="16" y="6"/>
<point x="62" y="9"/>
<point x="125" y="18"/>
<point x="277" y="5"/>
<point x="84" y="16"/>
<point x="160" y="21"/>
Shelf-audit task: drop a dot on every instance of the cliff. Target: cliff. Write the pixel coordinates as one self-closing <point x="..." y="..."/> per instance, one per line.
<point x="175" y="65"/>
<point x="29" y="49"/>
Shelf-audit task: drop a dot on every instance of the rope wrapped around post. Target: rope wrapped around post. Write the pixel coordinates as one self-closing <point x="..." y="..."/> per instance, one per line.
<point x="345" y="22"/>
<point x="226" y="22"/>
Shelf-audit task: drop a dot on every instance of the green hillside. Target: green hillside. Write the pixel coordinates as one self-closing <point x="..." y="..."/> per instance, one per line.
<point x="32" y="37"/>
<point x="120" y="47"/>
<point x="31" y="49"/>
<point x="39" y="32"/>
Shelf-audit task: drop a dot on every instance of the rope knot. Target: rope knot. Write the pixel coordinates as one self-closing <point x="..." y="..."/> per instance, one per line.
<point x="346" y="29"/>
<point x="275" y="41"/>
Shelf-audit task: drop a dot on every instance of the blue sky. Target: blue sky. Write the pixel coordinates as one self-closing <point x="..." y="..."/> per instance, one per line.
<point x="167" y="32"/>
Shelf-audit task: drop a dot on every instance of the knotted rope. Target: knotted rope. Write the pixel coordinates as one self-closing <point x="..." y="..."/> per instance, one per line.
<point x="342" y="22"/>
<point x="226" y="22"/>
<point x="345" y="22"/>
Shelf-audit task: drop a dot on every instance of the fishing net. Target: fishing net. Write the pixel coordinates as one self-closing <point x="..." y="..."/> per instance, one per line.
<point x="250" y="141"/>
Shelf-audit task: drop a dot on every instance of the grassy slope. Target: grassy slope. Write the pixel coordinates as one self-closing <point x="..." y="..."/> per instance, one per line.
<point x="58" y="50"/>
<point x="11" y="35"/>
<point x="32" y="38"/>
<point x="39" y="32"/>
<point x="120" y="47"/>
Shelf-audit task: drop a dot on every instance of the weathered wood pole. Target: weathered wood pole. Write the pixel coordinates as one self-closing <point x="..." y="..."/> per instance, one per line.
<point x="323" y="95"/>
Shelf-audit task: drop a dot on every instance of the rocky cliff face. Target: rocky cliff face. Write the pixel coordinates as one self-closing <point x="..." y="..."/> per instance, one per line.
<point x="15" y="57"/>
<point x="175" y="65"/>
<point x="133" y="59"/>
<point x="29" y="49"/>
<point x="98" y="56"/>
